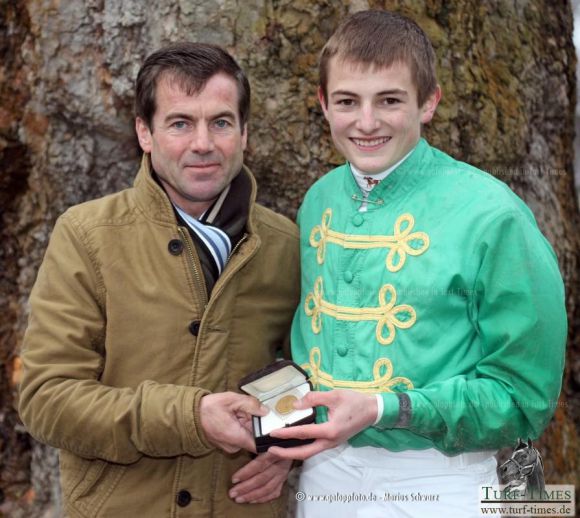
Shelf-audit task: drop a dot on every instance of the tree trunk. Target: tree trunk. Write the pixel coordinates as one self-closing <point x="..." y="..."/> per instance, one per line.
<point x="66" y="135"/>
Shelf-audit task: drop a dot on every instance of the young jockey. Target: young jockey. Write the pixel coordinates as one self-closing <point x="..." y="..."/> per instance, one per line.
<point x="432" y="318"/>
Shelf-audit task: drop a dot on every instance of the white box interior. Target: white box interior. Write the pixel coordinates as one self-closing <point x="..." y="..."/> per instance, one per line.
<point x="276" y="382"/>
<point x="274" y="420"/>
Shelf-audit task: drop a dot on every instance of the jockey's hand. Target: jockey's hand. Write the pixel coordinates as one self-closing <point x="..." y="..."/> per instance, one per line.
<point x="349" y="412"/>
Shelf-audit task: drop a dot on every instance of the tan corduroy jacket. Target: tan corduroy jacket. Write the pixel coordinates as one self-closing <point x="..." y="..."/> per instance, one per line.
<point x="122" y="344"/>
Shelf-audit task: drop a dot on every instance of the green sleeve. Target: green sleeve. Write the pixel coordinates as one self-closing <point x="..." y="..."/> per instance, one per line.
<point x="518" y="312"/>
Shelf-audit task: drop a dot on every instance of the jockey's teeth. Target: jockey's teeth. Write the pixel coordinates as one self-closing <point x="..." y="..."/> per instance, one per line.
<point x="370" y="143"/>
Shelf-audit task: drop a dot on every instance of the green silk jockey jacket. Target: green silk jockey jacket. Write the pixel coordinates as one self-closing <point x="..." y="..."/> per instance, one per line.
<point x="444" y="289"/>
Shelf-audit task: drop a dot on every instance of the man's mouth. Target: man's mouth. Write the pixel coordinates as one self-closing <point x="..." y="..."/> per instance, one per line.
<point x="203" y="165"/>
<point x="370" y="142"/>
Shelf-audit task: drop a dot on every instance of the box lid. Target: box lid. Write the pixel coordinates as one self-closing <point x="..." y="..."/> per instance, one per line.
<point x="273" y="379"/>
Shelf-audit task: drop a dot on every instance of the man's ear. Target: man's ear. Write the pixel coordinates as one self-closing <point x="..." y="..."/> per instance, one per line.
<point x="244" y="136"/>
<point x="323" y="102"/>
<point x="143" y="134"/>
<point x="430" y="105"/>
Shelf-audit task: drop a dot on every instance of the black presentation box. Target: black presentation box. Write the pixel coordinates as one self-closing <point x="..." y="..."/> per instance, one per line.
<point x="277" y="386"/>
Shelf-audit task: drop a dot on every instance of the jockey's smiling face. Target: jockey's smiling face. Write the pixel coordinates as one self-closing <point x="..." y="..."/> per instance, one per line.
<point x="374" y="116"/>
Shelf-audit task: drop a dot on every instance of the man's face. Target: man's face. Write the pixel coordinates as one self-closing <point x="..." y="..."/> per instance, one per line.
<point x="196" y="142"/>
<point x="373" y="113"/>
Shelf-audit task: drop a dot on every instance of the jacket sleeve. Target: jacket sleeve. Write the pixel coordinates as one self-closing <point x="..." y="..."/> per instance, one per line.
<point x="518" y="311"/>
<point x="62" y="401"/>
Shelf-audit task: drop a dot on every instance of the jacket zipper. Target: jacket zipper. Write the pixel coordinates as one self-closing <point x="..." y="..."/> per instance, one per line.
<point x="199" y="283"/>
<point x="242" y="239"/>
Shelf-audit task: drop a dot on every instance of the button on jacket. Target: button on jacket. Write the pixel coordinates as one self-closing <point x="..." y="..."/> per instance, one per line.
<point x="122" y="344"/>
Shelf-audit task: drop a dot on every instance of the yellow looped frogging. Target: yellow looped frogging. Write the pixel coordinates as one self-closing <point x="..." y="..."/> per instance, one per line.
<point x="382" y="381"/>
<point x="386" y="314"/>
<point x="398" y="244"/>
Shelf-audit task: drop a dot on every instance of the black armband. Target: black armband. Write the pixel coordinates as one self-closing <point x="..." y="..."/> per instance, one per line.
<point x="405" y="411"/>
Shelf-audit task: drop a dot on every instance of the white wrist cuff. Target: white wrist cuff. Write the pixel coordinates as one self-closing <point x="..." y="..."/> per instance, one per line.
<point x="380" y="408"/>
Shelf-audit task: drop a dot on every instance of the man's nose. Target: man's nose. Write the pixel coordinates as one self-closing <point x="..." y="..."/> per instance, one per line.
<point x="367" y="122"/>
<point x="202" y="140"/>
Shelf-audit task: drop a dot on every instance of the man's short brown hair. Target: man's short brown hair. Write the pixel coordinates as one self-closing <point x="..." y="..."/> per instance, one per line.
<point x="191" y="65"/>
<point x="380" y="39"/>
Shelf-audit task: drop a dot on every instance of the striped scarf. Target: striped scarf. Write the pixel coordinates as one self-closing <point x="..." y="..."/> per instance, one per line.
<point x="215" y="239"/>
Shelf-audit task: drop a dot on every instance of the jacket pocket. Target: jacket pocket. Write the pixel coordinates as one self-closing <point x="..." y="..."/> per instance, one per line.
<point x="95" y="486"/>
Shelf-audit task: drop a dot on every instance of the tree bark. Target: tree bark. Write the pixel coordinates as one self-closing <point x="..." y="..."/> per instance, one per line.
<point x="66" y="135"/>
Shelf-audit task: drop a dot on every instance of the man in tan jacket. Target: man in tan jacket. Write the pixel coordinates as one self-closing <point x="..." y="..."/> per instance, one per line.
<point x="153" y="302"/>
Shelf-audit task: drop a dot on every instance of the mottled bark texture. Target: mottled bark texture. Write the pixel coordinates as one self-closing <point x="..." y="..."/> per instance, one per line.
<point x="66" y="135"/>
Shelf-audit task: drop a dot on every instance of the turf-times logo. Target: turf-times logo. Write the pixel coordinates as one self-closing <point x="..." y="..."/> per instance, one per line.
<point x="552" y="500"/>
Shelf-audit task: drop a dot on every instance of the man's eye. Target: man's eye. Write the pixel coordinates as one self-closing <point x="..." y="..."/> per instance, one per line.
<point x="345" y="102"/>
<point x="391" y="100"/>
<point x="179" y="125"/>
<point x="222" y="123"/>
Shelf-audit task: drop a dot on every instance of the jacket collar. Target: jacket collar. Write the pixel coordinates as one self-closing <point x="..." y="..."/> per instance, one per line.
<point x="155" y="204"/>
<point x="414" y="170"/>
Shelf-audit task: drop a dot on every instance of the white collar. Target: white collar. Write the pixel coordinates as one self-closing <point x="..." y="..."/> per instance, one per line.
<point x="377" y="176"/>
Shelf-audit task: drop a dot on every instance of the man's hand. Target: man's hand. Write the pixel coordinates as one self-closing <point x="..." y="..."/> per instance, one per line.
<point x="349" y="412"/>
<point x="226" y="420"/>
<point x="260" y="480"/>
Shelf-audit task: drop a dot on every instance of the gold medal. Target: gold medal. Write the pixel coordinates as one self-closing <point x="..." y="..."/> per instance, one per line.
<point x="285" y="404"/>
